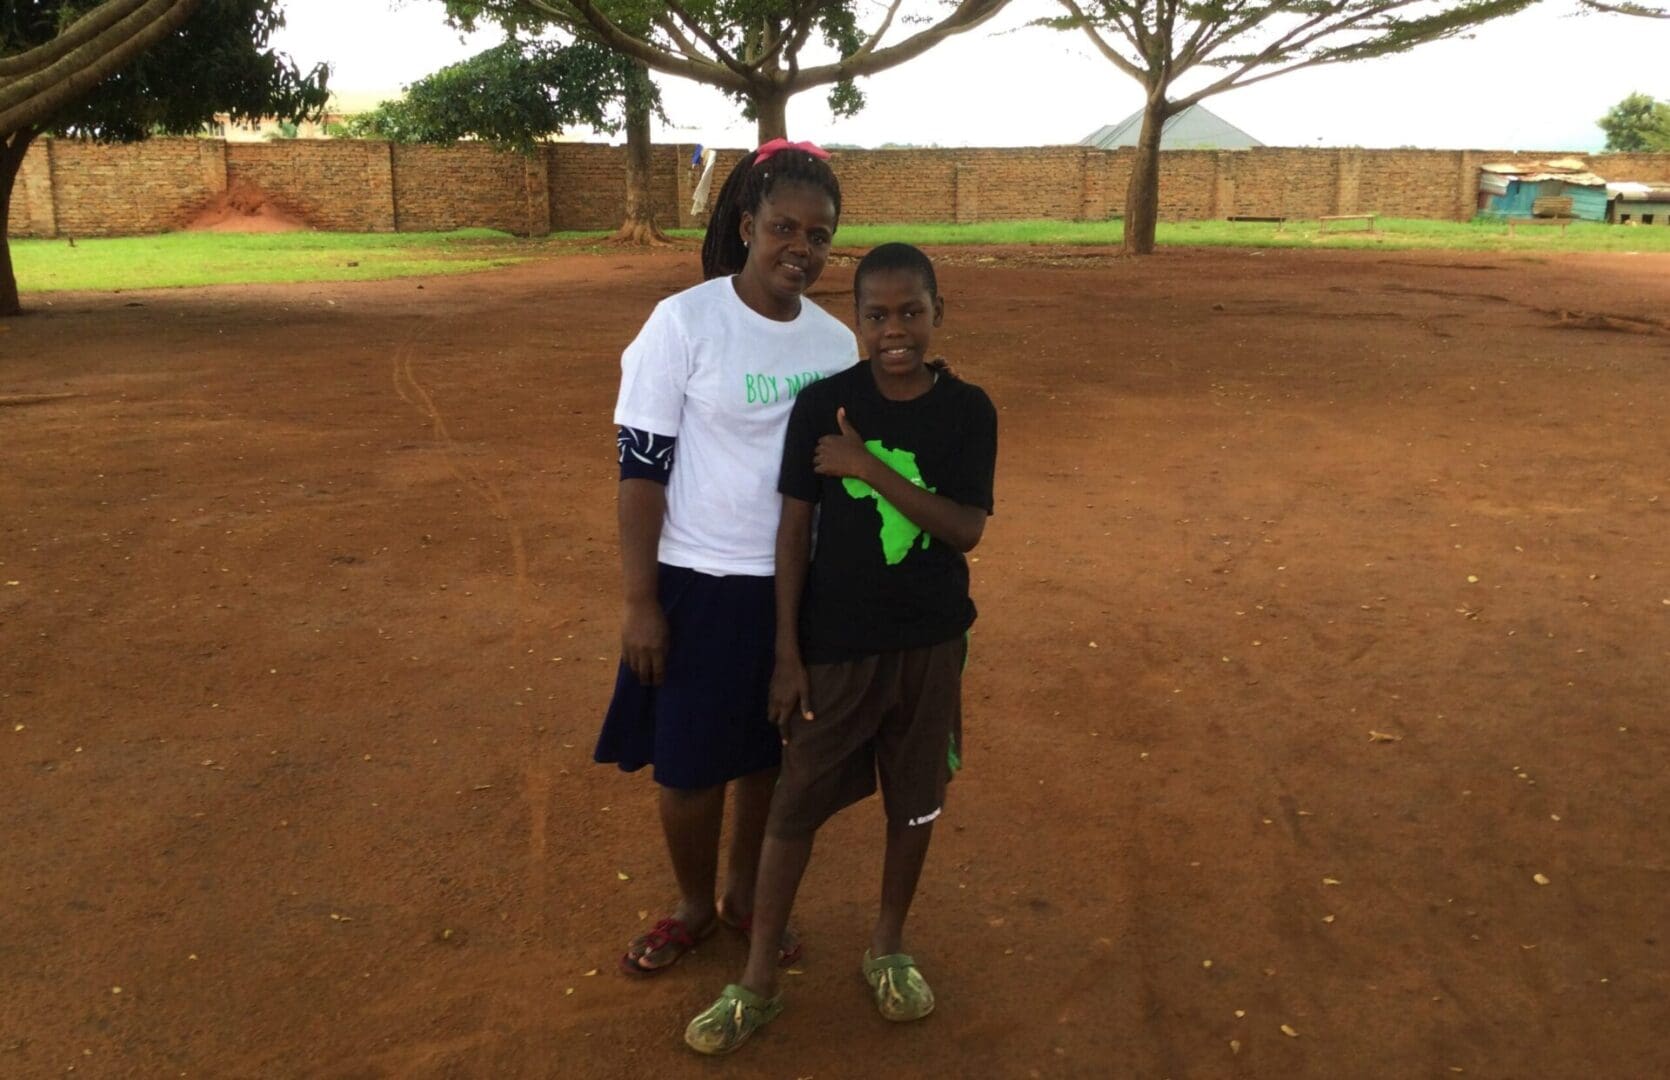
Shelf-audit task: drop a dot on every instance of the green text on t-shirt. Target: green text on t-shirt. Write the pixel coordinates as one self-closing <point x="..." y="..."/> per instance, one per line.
<point x="763" y="389"/>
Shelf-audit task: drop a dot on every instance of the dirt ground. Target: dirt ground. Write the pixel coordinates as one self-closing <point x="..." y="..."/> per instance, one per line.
<point x="308" y="617"/>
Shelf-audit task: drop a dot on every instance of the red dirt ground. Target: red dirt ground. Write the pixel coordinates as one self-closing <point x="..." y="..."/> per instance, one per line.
<point x="308" y="612"/>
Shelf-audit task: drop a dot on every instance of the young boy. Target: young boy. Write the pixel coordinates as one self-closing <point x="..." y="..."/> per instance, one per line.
<point x="872" y="624"/>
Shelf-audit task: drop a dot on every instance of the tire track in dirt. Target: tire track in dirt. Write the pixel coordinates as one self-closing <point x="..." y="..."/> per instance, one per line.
<point x="536" y="778"/>
<point x="413" y="393"/>
<point x="1563" y="318"/>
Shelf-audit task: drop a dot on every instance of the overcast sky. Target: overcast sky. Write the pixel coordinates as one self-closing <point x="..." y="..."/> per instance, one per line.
<point x="1535" y="81"/>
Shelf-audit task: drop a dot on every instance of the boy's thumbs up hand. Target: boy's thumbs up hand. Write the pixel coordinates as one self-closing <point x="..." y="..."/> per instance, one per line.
<point x="843" y="454"/>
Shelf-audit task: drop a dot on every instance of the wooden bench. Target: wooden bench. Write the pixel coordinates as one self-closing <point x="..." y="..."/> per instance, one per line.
<point x="1264" y="219"/>
<point x="1366" y="219"/>
<point x="1541" y="223"/>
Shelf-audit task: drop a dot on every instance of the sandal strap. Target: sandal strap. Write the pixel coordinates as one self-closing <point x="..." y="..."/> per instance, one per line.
<point x="885" y="963"/>
<point x="766" y="1007"/>
<point x="668" y="932"/>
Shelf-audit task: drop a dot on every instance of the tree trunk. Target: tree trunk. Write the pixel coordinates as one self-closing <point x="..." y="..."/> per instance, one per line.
<point x="771" y="115"/>
<point x="1142" y="196"/>
<point x="639" y="227"/>
<point x="12" y="149"/>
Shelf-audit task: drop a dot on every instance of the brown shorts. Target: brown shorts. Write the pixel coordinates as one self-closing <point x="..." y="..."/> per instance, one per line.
<point x="899" y="713"/>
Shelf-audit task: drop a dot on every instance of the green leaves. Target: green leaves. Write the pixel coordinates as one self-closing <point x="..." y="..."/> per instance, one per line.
<point x="218" y="62"/>
<point x="1253" y="40"/>
<point x="1637" y="123"/>
<point x="513" y="95"/>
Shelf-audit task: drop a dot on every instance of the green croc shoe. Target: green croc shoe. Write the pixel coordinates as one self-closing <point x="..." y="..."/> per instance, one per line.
<point x="729" y="1022"/>
<point x="900" y="991"/>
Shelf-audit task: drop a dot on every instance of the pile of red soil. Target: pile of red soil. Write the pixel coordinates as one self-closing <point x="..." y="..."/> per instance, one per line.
<point x="244" y="209"/>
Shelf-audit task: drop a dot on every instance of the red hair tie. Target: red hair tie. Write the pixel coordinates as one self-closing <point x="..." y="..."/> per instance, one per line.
<point x="768" y="149"/>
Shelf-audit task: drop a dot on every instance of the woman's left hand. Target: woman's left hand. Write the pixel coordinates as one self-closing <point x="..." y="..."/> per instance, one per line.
<point x="843" y="454"/>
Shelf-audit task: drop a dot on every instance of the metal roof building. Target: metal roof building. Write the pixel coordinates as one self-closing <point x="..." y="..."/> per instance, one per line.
<point x="1634" y="203"/>
<point x="1195" y="128"/>
<point x="1561" y="188"/>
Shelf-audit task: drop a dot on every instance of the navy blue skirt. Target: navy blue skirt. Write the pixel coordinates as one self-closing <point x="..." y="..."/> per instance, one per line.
<point x="707" y="723"/>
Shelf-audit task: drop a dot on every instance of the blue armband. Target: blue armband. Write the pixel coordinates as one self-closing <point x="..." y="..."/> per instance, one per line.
<point x="645" y="455"/>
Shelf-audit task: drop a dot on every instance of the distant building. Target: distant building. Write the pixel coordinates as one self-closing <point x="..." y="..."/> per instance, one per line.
<point x="268" y="128"/>
<point x="1195" y="128"/>
<point x="341" y="108"/>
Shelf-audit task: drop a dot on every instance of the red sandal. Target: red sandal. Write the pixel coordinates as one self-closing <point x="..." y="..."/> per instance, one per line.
<point x="669" y="933"/>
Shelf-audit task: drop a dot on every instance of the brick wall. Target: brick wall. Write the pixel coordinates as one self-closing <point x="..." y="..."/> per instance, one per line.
<point x="888" y="186"/>
<point x="80" y="189"/>
<point x="1406" y="183"/>
<point x="438" y="188"/>
<point x="588" y="184"/>
<point x="1188" y="185"/>
<point x="142" y="188"/>
<point x="1655" y="167"/>
<point x="1275" y="182"/>
<point x="32" y="212"/>
<point x="335" y="185"/>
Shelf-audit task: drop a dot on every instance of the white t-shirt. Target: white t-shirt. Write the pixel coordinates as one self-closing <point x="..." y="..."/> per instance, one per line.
<point x="721" y="377"/>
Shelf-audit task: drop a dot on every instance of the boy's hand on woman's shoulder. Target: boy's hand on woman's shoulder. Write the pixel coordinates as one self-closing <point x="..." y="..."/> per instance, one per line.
<point x="844" y="453"/>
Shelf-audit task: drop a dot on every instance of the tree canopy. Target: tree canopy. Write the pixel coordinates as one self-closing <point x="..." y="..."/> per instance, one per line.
<point x="752" y="48"/>
<point x="1637" y="123"/>
<point x="513" y="94"/>
<point x="54" y="51"/>
<point x="205" y="57"/>
<point x="1242" y="42"/>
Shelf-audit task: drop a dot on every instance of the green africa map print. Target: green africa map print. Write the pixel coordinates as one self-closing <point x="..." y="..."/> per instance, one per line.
<point x="898" y="532"/>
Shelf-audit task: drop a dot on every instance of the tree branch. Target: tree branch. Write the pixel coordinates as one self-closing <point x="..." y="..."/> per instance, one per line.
<point x="679" y="38"/>
<point x="562" y="17"/>
<point x="1208" y="32"/>
<point x="1112" y="54"/>
<point x="770" y="40"/>
<point x="34" y="98"/>
<point x="968" y="15"/>
<point x="869" y="45"/>
<point x="1642" y="11"/>
<point x="78" y="33"/>
<point x="802" y="23"/>
<point x="703" y="71"/>
<point x="1299" y="37"/>
<point x="1224" y="33"/>
<point x="719" y="51"/>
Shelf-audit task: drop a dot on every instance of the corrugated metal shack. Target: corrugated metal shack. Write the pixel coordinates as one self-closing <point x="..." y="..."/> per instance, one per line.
<point x="1634" y="203"/>
<point x="1555" y="189"/>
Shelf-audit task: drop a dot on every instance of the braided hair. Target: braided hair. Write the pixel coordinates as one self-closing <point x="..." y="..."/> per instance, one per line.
<point x="745" y="190"/>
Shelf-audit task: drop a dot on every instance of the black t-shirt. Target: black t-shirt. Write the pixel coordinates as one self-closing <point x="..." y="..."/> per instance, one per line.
<point x="877" y="582"/>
